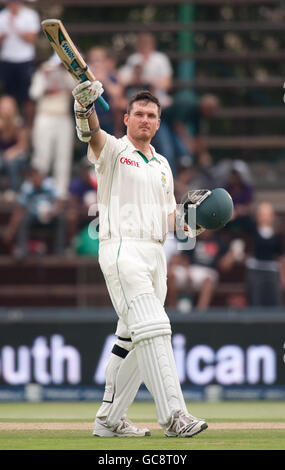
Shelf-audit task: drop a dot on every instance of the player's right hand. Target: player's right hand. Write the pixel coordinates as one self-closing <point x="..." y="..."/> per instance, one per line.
<point x="87" y="92"/>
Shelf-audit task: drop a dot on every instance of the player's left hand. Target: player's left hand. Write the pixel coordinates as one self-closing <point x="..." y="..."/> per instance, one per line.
<point x="87" y="92"/>
<point x="213" y="210"/>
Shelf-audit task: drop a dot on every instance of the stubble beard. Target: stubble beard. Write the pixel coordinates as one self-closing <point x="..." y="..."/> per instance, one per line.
<point x="145" y="137"/>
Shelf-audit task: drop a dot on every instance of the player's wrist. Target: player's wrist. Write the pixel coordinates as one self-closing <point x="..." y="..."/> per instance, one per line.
<point x="82" y="116"/>
<point x="83" y="113"/>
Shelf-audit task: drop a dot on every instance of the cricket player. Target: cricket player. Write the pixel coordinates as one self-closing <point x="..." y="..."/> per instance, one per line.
<point x="136" y="208"/>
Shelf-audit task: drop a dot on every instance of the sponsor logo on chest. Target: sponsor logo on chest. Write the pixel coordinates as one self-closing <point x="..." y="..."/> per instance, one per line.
<point x="129" y="162"/>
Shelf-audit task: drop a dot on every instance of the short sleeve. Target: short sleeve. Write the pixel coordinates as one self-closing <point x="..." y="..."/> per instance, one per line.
<point x="32" y="22"/>
<point x="111" y="148"/>
<point x="165" y="66"/>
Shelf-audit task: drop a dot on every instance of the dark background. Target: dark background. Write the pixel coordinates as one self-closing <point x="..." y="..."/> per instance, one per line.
<point x="88" y="336"/>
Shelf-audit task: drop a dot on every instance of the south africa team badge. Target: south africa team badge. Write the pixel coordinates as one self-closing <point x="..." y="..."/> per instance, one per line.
<point x="163" y="178"/>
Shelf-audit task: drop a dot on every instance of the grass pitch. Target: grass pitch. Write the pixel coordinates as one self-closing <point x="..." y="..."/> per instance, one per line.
<point x="68" y="426"/>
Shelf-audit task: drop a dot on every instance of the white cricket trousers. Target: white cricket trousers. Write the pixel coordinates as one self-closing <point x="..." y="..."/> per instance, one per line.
<point x="53" y="141"/>
<point x="132" y="267"/>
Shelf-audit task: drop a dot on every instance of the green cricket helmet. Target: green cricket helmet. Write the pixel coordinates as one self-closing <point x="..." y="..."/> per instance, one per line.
<point x="216" y="210"/>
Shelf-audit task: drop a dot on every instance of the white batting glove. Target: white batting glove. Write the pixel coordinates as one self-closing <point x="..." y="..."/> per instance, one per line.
<point x="87" y="92"/>
<point x="81" y="119"/>
<point x="81" y="112"/>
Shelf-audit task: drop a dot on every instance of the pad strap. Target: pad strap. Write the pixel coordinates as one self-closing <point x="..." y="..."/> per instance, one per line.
<point x="87" y="133"/>
<point x="125" y="339"/>
<point x="118" y="351"/>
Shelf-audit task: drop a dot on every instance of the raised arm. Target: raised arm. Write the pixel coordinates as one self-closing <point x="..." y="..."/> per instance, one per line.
<point x="87" y="122"/>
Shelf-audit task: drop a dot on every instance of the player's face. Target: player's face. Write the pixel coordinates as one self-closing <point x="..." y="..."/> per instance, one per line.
<point x="143" y="121"/>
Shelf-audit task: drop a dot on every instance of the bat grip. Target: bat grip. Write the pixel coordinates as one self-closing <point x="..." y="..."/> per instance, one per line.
<point x="103" y="104"/>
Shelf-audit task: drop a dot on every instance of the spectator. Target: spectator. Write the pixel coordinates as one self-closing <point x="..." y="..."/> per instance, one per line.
<point x="148" y="67"/>
<point x="183" y="115"/>
<point x="137" y="82"/>
<point x="191" y="176"/>
<point x="185" y="173"/>
<point x="182" y="128"/>
<point x="240" y="188"/>
<point x="197" y="271"/>
<point x="53" y="132"/>
<point x="151" y="69"/>
<point x="19" y="27"/>
<point x="82" y="194"/>
<point x="38" y="206"/>
<point x="266" y="265"/>
<point x="179" y="280"/>
<point x="198" y="175"/>
<point x="118" y="101"/>
<point x="103" y="64"/>
<point x="14" y="143"/>
<point x="207" y="173"/>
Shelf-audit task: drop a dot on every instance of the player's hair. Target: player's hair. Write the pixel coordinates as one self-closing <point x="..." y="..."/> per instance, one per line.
<point x="144" y="95"/>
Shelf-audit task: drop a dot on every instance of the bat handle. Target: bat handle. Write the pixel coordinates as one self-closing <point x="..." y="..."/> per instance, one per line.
<point x="103" y="104"/>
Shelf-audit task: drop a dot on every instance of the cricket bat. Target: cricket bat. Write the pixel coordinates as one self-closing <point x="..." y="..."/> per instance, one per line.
<point x="69" y="54"/>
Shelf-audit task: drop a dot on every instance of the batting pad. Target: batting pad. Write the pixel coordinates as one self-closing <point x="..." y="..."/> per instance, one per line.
<point x="120" y="353"/>
<point x="128" y="381"/>
<point x="151" y="334"/>
<point x="147" y="318"/>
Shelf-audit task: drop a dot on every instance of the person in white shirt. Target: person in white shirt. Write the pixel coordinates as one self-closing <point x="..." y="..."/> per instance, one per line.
<point x="53" y="130"/>
<point x="19" y="27"/>
<point x="148" y="68"/>
<point x="155" y="69"/>
<point x="136" y="208"/>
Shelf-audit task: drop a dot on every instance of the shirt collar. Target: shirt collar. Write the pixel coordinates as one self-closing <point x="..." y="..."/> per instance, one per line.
<point x="134" y="149"/>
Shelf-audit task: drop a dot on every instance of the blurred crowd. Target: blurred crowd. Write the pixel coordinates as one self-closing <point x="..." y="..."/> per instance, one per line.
<point x="52" y="192"/>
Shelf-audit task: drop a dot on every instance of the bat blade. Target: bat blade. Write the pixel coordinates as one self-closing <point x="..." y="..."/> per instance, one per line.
<point x="68" y="53"/>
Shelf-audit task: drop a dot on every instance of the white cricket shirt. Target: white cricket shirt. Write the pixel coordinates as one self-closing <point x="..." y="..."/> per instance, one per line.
<point x="135" y="196"/>
<point x="155" y="67"/>
<point x="14" y="48"/>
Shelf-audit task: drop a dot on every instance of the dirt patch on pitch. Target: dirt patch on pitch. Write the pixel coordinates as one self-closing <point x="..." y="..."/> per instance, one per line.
<point x="86" y="426"/>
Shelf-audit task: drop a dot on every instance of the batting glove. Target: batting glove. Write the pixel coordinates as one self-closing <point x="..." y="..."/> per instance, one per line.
<point x="81" y="120"/>
<point x="81" y="112"/>
<point x="87" y="92"/>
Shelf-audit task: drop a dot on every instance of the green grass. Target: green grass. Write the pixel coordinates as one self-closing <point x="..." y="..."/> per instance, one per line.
<point x="272" y="439"/>
<point x="84" y="411"/>
<point x="81" y="440"/>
